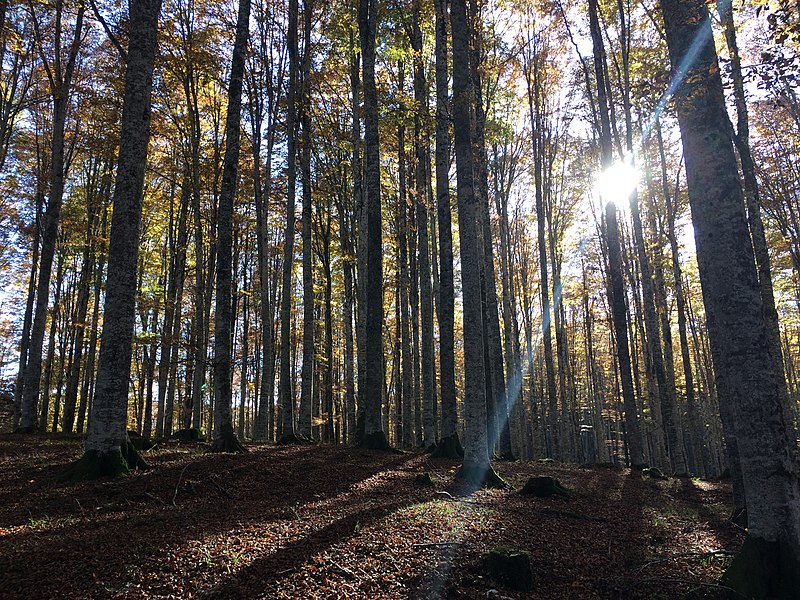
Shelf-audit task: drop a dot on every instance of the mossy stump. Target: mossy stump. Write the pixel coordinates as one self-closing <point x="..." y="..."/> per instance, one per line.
<point x="764" y="569"/>
<point x="190" y="434"/>
<point x="448" y="447"/>
<point x="423" y="479"/>
<point x="511" y="567"/>
<point x="653" y="473"/>
<point x="478" y="476"/>
<point x="544" y="487"/>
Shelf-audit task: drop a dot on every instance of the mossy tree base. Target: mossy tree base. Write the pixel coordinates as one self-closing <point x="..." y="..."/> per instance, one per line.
<point x="764" y="569"/>
<point x="506" y="456"/>
<point x="95" y="465"/>
<point x="31" y="429"/>
<point x="376" y="441"/>
<point x="512" y="567"/>
<point x="448" y="447"/>
<point x="544" y="487"/>
<point x="480" y="477"/>
<point x="139" y="442"/>
<point x="227" y="442"/>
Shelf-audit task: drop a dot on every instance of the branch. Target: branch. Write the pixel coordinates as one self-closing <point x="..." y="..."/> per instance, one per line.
<point x="112" y="38"/>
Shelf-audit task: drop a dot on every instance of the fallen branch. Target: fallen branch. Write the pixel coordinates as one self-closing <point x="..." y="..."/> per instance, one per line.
<point x="435" y="544"/>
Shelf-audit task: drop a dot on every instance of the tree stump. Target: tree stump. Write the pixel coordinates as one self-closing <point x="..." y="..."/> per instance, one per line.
<point x="544" y="487"/>
<point x="511" y="567"/>
<point x="653" y="473"/>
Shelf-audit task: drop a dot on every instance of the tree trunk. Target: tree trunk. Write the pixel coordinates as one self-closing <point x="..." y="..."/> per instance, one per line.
<point x="374" y="435"/>
<point x="108" y="451"/>
<point x="738" y="334"/>
<point x="476" y="468"/>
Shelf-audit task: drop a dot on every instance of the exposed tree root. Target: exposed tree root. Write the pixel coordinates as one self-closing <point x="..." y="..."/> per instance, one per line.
<point x="226" y="441"/>
<point x="448" y="447"/>
<point x="481" y="476"/>
<point x="765" y="569"/>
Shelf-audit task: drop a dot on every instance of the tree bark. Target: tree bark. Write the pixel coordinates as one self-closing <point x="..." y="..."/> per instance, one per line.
<point x="743" y="363"/>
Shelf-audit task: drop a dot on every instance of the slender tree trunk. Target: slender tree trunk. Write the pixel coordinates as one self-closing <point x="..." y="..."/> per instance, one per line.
<point x="224" y="437"/>
<point x="60" y="84"/>
<point x="285" y="391"/>
<point x="307" y="373"/>
<point x="374" y="436"/>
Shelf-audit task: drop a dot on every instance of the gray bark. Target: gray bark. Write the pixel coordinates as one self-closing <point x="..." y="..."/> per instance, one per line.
<point x="107" y="426"/>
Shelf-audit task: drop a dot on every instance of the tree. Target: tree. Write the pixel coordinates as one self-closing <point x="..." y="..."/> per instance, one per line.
<point x="476" y="469"/>
<point x="60" y="77"/>
<point x="372" y="396"/>
<point x="108" y="451"/>
<point x="224" y="437"/>
<point x="769" y="562"/>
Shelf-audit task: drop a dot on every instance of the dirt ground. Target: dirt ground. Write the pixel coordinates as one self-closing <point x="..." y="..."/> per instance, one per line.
<point x="333" y="522"/>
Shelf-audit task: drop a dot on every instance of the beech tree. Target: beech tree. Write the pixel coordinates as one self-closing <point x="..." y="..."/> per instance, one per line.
<point x="769" y="562"/>
<point x="108" y="451"/>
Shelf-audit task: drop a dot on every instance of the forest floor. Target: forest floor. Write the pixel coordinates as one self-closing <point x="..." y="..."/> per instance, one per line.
<point x="332" y="522"/>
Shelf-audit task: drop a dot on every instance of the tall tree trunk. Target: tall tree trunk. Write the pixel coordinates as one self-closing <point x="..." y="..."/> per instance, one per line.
<point x="374" y="436"/>
<point x="60" y="84"/>
<point x="740" y="347"/>
<point x="224" y="437"/>
<point x="476" y="468"/>
<point x="449" y="444"/>
<point x="307" y="373"/>
<point x="108" y="451"/>
<point x="741" y="139"/>
<point x="421" y="144"/>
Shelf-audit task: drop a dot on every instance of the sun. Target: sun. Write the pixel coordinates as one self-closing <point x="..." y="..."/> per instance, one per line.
<point x="618" y="181"/>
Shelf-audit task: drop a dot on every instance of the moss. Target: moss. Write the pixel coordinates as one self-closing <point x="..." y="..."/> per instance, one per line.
<point x="477" y="476"/>
<point x="510" y="566"/>
<point x="764" y="569"/>
<point x="94" y="465"/>
<point x="448" y="447"/>
<point x="544" y="487"/>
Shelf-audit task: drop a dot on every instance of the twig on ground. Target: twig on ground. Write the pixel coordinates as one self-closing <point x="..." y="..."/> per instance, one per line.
<point x="180" y="478"/>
